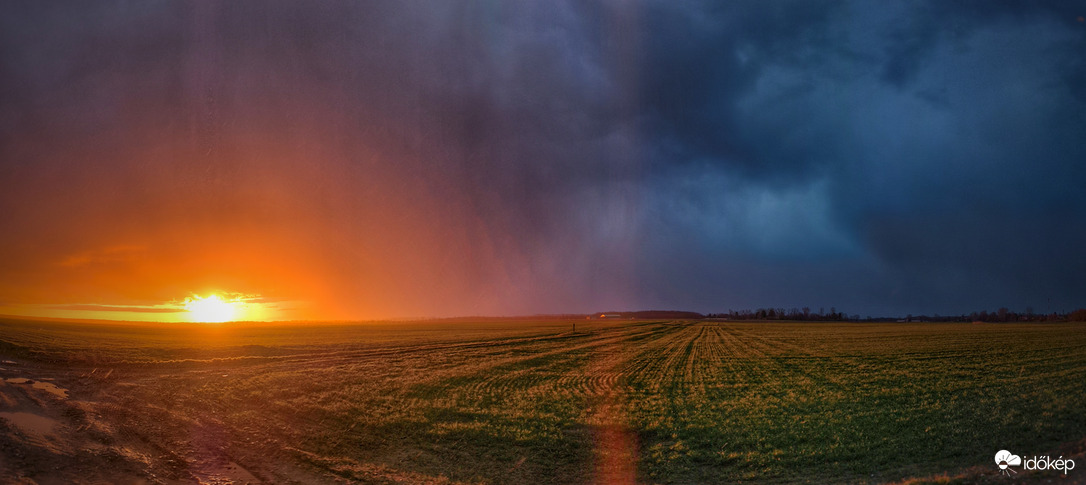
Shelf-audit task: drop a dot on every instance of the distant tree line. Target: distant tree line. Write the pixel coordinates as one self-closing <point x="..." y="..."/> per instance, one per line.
<point x="650" y="315"/>
<point x="805" y="314"/>
<point x="795" y="314"/>
<point x="1005" y="315"/>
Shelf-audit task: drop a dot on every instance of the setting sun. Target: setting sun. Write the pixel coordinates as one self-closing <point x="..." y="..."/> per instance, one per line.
<point x="211" y="309"/>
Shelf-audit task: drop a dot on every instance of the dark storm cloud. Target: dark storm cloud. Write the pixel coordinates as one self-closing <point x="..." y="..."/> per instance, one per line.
<point x="700" y="62"/>
<point x="551" y="156"/>
<point x="938" y="145"/>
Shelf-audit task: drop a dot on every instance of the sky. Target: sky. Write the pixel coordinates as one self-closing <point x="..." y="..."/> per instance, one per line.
<point x="363" y="160"/>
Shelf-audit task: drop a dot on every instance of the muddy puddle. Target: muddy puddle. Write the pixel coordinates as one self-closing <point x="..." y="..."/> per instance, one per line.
<point x="49" y="387"/>
<point x="31" y="424"/>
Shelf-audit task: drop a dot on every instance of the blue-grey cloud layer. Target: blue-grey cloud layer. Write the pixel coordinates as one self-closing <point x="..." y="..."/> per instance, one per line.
<point x="881" y="157"/>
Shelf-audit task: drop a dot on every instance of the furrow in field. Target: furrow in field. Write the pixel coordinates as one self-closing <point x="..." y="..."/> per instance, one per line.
<point x="646" y="351"/>
<point x="767" y="380"/>
<point x="808" y="369"/>
<point x="663" y="365"/>
<point x="706" y="367"/>
<point x="582" y="369"/>
<point x="458" y="359"/>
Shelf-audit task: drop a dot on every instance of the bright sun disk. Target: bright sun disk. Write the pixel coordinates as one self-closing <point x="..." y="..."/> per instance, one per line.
<point x="211" y="309"/>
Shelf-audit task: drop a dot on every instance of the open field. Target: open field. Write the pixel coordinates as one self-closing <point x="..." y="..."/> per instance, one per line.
<point x="534" y="402"/>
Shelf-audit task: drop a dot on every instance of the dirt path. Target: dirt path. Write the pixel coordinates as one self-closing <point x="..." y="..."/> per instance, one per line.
<point x="52" y="434"/>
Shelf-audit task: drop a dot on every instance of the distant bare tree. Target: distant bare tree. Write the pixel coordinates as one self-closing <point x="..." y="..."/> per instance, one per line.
<point x="1002" y="314"/>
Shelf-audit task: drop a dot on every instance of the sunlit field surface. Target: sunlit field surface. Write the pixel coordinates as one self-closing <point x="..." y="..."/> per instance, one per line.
<point x="535" y="402"/>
